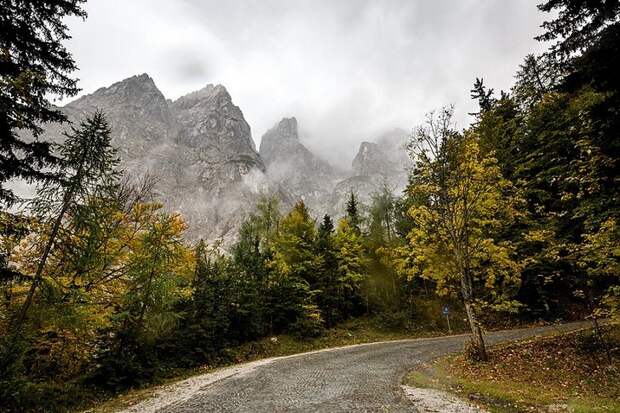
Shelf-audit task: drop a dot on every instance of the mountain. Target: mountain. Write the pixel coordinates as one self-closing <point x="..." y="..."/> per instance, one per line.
<point x="200" y="151"/>
<point x="371" y="160"/>
<point x="293" y="167"/>
<point x="383" y="162"/>
<point x="198" y="148"/>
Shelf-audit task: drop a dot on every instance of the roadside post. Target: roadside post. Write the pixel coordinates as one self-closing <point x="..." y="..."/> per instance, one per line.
<point x="445" y="310"/>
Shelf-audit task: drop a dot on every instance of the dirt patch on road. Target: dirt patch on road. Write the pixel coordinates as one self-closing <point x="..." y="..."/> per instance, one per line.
<point x="433" y="400"/>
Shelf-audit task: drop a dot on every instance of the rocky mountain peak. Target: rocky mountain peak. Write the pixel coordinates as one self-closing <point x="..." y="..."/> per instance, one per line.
<point x="209" y="93"/>
<point x="208" y="118"/>
<point x="370" y="159"/>
<point x="290" y="164"/>
<point x="287" y="129"/>
<point x="281" y="142"/>
<point x="134" y="88"/>
<point x="137" y="111"/>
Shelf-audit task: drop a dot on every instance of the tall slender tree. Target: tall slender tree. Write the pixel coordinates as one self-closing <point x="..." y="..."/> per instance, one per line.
<point x="88" y="164"/>
<point x="353" y="213"/>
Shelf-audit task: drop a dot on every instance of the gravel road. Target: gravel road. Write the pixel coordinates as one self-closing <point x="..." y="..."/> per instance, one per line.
<point x="361" y="378"/>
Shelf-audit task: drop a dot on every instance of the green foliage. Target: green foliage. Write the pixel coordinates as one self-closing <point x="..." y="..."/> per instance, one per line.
<point x="353" y="213"/>
<point x="464" y="201"/>
<point x="35" y="65"/>
<point x="577" y="24"/>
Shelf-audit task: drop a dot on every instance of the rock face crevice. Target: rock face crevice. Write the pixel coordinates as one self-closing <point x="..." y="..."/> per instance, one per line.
<point x="200" y="151"/>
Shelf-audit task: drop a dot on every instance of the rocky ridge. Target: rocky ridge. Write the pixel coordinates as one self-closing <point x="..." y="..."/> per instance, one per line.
<point x="291" y="165"/>
<point x="200" y="150"/>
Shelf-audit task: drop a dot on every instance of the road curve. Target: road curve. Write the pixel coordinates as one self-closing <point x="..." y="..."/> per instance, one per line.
<point x="361" y="378"/>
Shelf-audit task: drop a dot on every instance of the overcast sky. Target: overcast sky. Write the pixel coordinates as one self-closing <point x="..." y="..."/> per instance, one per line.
<point x="346" y="69"/>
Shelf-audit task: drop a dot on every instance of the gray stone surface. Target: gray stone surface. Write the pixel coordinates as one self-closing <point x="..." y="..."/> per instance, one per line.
<point x="292" y="167"/>
<point x="362" y="378"/>
<point x="200" y="150"/>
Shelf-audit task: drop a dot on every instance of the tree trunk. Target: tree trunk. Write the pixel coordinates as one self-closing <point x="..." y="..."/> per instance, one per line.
<point x="67" y="199"/>
<point x="19" y="321"/>
<point x="596" y="325"/>
<point x="476" y="332"/>
<point x="474" y="325"/>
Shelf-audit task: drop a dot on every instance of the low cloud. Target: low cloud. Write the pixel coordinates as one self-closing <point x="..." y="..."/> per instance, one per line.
<point x="345" y="69"/>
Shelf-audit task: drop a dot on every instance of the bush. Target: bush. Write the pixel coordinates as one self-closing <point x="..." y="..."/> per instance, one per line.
<point x="125" y="363"/>
<point x="310" y="324"/>
<point x="396" y="320"/>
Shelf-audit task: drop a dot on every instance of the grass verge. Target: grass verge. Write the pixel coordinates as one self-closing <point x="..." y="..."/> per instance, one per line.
<point x="561" y="373"/>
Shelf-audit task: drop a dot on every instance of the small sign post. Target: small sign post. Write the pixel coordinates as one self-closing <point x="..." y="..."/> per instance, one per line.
<point x="445" y="310"/>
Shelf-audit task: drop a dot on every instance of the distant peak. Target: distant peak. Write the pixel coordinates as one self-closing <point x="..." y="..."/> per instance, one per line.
<point x="207" y="92"/>
<point x="141" y="83"/>
<point x="368" y="146"/>
<point x="288" y="126"/>
<point x="283" y="131"/>
<point x="144" y="79"/>
<point x="144" y="76"/>
<point x="131" y="88"/>
<point x="212" y="89"/>
<point x="281" y="135"/>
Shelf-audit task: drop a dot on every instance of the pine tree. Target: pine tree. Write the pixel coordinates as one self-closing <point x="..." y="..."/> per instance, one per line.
<point x="483" y="95"/>
<point x="352" y="267"/>
<point x="34" y="64"/>
<point x="329" y="292"/>
<point x="577" y="25"/>
<point x="295" y="262"/>
<point x="352" y="210"/>
<point x="536" y="76"/>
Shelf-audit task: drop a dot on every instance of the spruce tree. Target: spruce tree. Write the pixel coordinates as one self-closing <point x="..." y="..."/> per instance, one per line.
<point x="353" y="212"/>
<point x="329" y="292"/>
<point x="34" y="64"/>
<point x="483" y="95"/>
<point x="577" y="24"/>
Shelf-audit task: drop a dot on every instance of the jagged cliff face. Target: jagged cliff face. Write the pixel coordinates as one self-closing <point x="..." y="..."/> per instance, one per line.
<point x="200" y="150"/>
<point x="294" y="168"/>
<point x="376" y="165"/>
<point x="323" y="188"/>
<point x="371" y="160"/>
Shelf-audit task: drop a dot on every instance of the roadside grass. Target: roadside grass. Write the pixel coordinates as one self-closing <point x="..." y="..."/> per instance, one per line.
<point x="355" y="331"/>
<point x="568" y="372"/>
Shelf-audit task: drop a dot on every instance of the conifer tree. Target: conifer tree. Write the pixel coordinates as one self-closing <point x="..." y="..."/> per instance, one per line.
<point x="353" y="213"/>
<point x="329" y="291"/>
<point x="483" y="95"/>
<point x="352" y="265"/>
<point x="34" y="64"/>
<point x="88" y="165"/>
<point x="577" y="24"/>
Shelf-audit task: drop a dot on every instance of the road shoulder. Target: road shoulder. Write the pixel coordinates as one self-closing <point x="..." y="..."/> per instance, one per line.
<point x="562" y="372"/>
